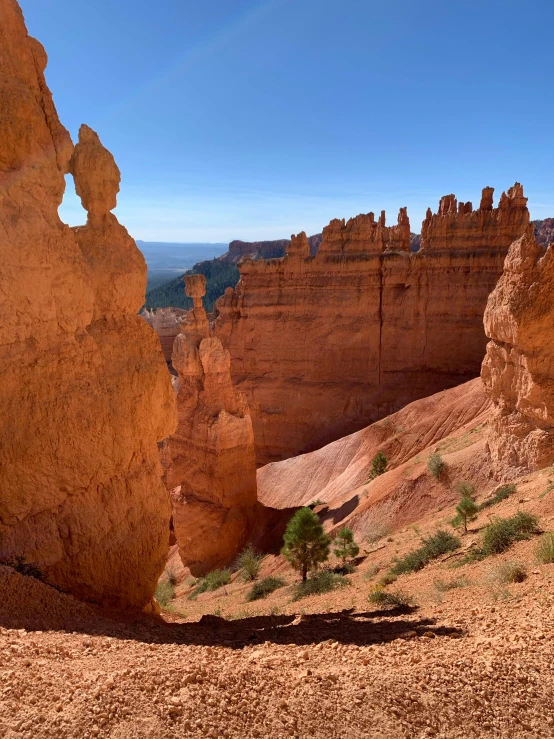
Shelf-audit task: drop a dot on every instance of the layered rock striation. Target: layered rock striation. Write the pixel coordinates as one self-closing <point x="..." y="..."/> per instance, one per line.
<point x="213" y="467"/>
<point x="85" y="393"/>
<point x="166" y="323"/>
<point x="518" y="370"/>
<point x="323" y="345"/>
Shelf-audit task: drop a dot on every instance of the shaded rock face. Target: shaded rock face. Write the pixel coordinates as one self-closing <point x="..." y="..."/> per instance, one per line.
<point x="322" y="346"/>
<point x="166" y="323"/>
<point x="213" y="466"/>
<point x="85" y="392"/>
<point x="518" y="369"/>
<point x="544" y="231"/>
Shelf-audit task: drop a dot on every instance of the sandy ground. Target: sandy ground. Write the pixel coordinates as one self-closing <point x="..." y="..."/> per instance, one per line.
<point x="473" y="661"/>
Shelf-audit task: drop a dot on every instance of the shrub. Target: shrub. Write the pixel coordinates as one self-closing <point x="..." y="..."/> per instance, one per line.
<point x="436" y="465"/>
<point x="172" y="576"/>
<point x="378" y="466"/>
<point x="411" y="562"/>
<point x="545" y="548"/>
<point x="443" y="587"/>
<point x="502" y="533"/>
<point x="440" y="543"/>
<point x="345" y="546"/>
<point x="387" y="579"/>
<point x="265" y="587"/>
<point x="250" y="563"/>
<point x="165" y="592"/>
<point x="306" y="545"/>
<point x="501" y="493"/>
<point x="509" y="572"/>
<point x="213" y="580"/>
<point x="384" y="599"/>
<point x="319" y="582"/>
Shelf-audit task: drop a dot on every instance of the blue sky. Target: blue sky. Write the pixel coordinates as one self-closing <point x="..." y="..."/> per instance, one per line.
<point x="256" y="119"/>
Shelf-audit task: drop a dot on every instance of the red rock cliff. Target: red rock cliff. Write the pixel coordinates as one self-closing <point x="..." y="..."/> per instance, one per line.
<point x="85" y="392"/>
<point x="213" y="466"/>
<point x="324" y="345"/>
<point x="518" y="370"/>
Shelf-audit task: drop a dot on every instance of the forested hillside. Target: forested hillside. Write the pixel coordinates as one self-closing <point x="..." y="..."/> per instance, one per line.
<point x="219" y="276"/>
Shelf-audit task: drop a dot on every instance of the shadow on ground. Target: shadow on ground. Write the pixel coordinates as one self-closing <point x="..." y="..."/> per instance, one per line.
<point x="345" y="627"/>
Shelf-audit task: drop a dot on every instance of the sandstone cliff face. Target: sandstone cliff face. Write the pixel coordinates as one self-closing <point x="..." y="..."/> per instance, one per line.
<point x="213" y="466"/>
<point x="518" y="370"/>
<point x="321" y="346"/>
<point x="165" y="322"/>
<point x="264" y="249"/>
<point x="85" y="392"/>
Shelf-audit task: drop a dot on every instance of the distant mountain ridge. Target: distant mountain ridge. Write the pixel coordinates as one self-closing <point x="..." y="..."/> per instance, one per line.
<point x="222" y="272"/>
<point x="264" y="249"/>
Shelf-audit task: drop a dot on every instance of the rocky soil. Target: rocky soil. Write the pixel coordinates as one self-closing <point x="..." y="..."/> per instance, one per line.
<point x="471" y="661"/>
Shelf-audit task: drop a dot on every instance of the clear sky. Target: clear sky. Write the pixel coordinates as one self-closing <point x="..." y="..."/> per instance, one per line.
<point x="256" y="119"/>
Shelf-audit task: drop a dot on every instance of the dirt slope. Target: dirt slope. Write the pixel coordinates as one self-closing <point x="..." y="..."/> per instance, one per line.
<point x="451" y="421"/>
<point x="473" y="661"/>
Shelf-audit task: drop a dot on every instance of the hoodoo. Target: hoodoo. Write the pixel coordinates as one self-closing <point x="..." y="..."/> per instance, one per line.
<point x="85" y="392"/>
<point x="324" y="345"/>
<point x="518" y="369"/>
<point x="213" y="467"/>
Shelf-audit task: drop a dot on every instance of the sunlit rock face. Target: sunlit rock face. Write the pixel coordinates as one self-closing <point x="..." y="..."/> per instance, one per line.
<point x="212" y="474"/>
<point x="323" y="345"/>
<point x="518" y="370"/>
<point x="85" y="393"/>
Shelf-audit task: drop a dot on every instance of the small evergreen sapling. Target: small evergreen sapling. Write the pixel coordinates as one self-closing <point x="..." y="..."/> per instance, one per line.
<point x="345" y="546"/>
<point x="378" y="466"/>
<point x="467" y="509"/>
<point x="306" y="545"/>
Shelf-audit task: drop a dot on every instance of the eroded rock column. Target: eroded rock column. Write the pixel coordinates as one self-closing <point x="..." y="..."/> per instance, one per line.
<point x="518" y="370"/>
<point x="85" y="393"/>
<point x="213" y="471"/>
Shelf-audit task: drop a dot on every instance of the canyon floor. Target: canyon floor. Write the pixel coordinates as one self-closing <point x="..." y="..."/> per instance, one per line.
<point x="471" y="658"/>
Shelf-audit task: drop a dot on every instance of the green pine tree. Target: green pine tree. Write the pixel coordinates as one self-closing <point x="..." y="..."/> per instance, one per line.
<point x="305" y="543"/>
<point x="345" y="546"/>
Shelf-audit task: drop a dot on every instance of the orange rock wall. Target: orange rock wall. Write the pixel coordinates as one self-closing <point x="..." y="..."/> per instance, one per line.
<point x="322" y="346"/>
<point x="518" y="370"/>
<point x="85" y="392"/>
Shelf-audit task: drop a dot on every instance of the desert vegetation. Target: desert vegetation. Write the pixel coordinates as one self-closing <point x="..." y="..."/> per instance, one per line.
<point x="434" y="546"/>
<point x="265" y="587"/>
<point x="212" y="581"/>
<point x="306" y="545"/>
<point x="436" y="465"/>
<point x="345" y="548"/>
<point x="249" y="562"/>
<point x="379" y="466"/>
